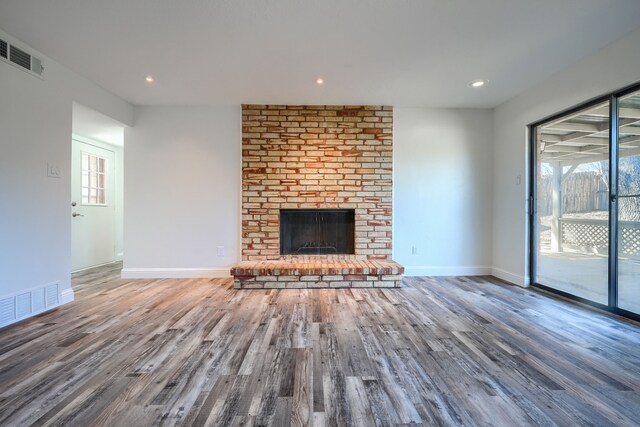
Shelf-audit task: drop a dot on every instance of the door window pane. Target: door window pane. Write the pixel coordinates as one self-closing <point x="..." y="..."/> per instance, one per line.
<point x="93" y="180"/>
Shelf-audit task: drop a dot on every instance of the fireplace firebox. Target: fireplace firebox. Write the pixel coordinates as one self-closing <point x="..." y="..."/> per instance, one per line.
<point x="317" y="231"/>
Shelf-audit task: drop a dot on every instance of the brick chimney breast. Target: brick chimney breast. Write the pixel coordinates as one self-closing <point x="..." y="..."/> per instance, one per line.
<point x="326" y="157"/>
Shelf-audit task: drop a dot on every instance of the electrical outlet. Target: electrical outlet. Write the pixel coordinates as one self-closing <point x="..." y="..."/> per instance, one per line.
<point x="53" y="171"/>
<point x="220" y="251"/>
<point x="414" y="250"/>
<point x="518" y="179"/>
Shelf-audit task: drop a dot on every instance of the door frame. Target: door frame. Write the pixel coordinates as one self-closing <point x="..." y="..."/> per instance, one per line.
<point x="612" y="98"/>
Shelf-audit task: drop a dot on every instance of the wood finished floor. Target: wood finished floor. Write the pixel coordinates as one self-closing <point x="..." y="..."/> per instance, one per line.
<point x="439" y="351"/>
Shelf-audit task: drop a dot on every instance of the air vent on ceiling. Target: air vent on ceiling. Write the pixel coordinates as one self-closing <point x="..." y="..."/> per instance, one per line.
<point x="20" y="58"/>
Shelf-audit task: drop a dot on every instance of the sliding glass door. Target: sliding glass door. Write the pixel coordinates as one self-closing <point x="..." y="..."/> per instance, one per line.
<point x="572" y="215"/>
<point x="586" y="203"/>
<point x="628" y="199"/>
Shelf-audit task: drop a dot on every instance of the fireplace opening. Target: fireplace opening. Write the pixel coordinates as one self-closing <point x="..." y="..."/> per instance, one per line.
<point x="317" y="231"/>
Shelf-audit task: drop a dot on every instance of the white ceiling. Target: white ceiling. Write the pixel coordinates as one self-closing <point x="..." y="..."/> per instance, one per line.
<point x="398" y="52"/>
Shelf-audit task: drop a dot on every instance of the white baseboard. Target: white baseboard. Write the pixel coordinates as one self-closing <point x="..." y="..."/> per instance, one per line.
<point x="93" y="266"/>
<point x="463" y="270"/>
<point x="507" y="276"/>
<point x="175" y="273"/>
<point x="66" y="296"/>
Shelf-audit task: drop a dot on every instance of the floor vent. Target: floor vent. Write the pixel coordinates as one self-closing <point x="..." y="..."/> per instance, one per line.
<point x="20" y="58"/>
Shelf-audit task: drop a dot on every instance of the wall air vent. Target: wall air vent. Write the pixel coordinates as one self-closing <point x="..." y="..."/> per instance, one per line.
<point x="20" y="58"/>
<point x="29" y="303"/>
<point x="52" y="298"/>
<point x="39" y="300"/>
<point x="23" y="305"/>
<point x="7" y="311"/>
<point x="4" y="49"/>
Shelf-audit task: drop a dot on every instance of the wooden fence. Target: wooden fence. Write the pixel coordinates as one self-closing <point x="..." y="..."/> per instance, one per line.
<point x="581" y="192"/>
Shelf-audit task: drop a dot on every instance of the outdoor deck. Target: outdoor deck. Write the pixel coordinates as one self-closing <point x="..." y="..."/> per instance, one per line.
<point x="586" y="276"/>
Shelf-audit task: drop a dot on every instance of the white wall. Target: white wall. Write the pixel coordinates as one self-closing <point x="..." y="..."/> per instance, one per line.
<point x="182" y="191"/>
<point x="611" y="68"/>
<point x="35" y="215"/>
<point x="442" y="160"/>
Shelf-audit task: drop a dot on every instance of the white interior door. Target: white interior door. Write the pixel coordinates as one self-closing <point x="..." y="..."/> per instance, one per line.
<point x="93" y="215"/>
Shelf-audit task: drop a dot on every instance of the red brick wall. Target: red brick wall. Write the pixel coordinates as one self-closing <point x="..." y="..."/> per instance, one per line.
<point x="316" y="157"/>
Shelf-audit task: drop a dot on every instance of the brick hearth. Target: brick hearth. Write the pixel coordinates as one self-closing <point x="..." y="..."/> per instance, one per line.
<point x="317" y="273"/>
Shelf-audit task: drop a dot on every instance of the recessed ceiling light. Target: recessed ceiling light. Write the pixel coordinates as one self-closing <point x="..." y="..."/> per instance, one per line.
<point x="319" y="80"/>
<point x="478" y="83"/>
<point x="149" y="79"/>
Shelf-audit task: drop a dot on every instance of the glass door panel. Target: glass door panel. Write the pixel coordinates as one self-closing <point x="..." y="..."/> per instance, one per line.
<point x="571" y="222"/>
<point x="629" y="203"/>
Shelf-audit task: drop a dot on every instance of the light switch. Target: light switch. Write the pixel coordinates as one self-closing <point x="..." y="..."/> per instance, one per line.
<point x="53" y="171"/>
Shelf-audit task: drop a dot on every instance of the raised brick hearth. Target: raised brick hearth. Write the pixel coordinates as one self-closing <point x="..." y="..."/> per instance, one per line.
<point x="316" y="273"/>
<point x="316" y="157"/>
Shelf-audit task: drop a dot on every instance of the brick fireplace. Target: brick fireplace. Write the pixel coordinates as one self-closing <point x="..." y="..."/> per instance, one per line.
<point x="317" y="157"/>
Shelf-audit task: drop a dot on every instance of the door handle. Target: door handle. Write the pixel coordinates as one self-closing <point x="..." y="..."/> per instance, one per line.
<point x="75" y="214"/>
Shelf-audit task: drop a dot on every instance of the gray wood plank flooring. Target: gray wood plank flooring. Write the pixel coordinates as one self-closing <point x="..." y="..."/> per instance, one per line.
<point x="439" y="351"/>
